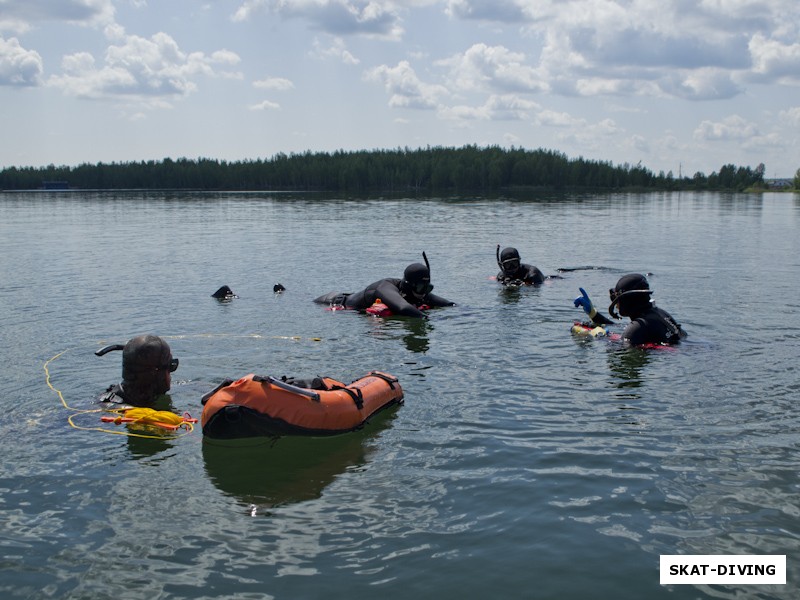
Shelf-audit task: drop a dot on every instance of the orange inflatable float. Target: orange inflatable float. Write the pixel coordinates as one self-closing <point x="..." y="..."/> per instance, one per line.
<point x="265" y="406"/>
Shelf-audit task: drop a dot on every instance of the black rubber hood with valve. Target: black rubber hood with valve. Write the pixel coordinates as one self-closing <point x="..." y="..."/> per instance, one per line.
<point x="146" y="362"/>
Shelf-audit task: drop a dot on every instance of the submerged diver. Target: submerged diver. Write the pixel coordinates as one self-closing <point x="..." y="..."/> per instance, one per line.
<point x="403" y="297"/>
<point x="147" y="365"/>
<point x="649" y="324"/>
<point x="514" y="272"/>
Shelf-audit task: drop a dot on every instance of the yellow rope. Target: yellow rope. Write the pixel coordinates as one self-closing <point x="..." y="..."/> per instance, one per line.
<point x="142" y="418"/>
<point x="254" y="336"/>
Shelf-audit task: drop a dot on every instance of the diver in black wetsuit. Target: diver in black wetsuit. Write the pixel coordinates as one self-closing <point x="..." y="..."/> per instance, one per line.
<point x="224" y="293"/>
<point x="147" y="367"/>
<point x="403" y="297"/>
<point x="514" y="272"/>
<point x="649" y="324"/>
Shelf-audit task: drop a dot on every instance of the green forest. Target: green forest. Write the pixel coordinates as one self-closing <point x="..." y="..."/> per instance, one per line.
<point x="431" y="169"/>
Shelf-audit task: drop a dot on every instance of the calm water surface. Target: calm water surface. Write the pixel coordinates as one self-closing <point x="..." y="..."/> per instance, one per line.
<point x="525" y="463"/>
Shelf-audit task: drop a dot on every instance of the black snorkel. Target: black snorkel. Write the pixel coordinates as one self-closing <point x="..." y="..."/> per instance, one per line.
<point x="617" y="296"/>
<point x="429" y="288"/>
<point x="497" y="252"/>
<point x="108" y="349"/>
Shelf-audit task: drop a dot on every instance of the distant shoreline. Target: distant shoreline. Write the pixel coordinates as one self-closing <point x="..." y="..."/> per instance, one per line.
<point x="432" y="170"/>
<point x="420" y="194"/>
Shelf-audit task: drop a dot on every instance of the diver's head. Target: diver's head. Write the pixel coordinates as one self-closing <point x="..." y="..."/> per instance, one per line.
<point x="416" y="281"/>
<point x="224" y="293"/>
<point x="509" y="261"/>
<point x="147" y="365"/>
<point x="631" y="295"/>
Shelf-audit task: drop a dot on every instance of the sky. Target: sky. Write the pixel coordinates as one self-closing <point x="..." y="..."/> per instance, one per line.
<point x="681" y="86"/>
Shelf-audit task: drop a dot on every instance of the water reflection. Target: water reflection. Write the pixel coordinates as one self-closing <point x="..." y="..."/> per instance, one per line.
<point x="264" y="473"/>
<point x="415" y="333"/>
<point x="626" y="365"/>
<point x="512" y="294"/>
<point x="140" y="447"/>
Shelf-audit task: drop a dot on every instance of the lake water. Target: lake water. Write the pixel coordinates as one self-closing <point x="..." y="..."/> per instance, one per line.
<point x="525" y="463"/>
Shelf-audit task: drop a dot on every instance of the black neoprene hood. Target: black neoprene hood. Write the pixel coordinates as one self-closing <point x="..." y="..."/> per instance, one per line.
<point x="143" y="353"/>
<point x="416" y="272"/>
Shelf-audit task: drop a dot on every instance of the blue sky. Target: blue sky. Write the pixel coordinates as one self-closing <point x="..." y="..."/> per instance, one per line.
<point x="678" y="85"/>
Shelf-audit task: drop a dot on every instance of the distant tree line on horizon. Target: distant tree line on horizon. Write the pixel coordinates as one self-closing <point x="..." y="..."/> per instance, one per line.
<point x="440" y="169"/>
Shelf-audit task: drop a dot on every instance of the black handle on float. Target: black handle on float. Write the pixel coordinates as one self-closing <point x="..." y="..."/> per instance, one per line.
<point x="108" y="349"/>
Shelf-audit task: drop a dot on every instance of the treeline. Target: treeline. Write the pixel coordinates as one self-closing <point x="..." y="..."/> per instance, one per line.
<point x="469" y="168"/>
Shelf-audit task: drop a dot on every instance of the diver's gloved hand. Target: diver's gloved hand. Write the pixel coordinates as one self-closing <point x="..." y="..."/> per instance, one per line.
<point x="585" y="302"/>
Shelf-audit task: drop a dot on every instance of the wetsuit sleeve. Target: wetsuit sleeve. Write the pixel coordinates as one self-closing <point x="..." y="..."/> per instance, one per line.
<point x="637" y="333"/>
<point x="434" y="300"/>
<point x="390" y="296"/>
<point x="533" y="275"/>
<point x="600" y="319"/>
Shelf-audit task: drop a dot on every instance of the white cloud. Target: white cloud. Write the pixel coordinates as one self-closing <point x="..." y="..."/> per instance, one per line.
<point x="596" y="86"/>
<point x="265" y="105"/>
<point x="729" y="129"/>
<point x="19" y="66"/>
<point x="19" y="15"/>
<point x="140" y="67"/>
<point x="497" y="108"/>
<point x="695" y="51"/>
<point x="492" y="67"/>
<point x="595" y="137"/>
<point x="792" y="115"/>
<point x="552" y="118"/>
<point x="337" y="51"/>
<point x="337" y="17"/>
<point x="469" y="63"/>
<point x="639" y="143"/>
<point x="701" y="84"/>
<point x="507" y="11"/>
<point x="775" y="60"/>
<point x="405" y="88"/>
<point x="274" y="83"/>
<point x="769" y="142"/>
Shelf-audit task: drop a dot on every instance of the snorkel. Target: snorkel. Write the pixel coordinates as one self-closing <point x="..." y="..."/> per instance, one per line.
<point x="107" y="349"/>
